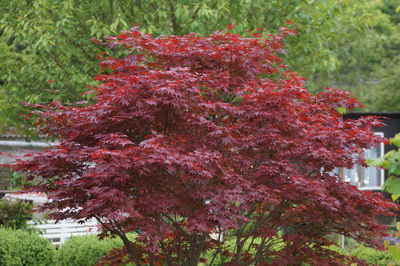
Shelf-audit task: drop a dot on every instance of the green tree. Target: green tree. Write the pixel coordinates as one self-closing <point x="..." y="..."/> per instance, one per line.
<point x="385" y="90"/>
<point x="46" y="52"/>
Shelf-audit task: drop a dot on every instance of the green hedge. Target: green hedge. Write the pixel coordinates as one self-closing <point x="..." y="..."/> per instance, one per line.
<point x="19" y="247"/>
<point x="372" y="256"/>
<point x="85" y="250"/>
<point x="369" y="255"/>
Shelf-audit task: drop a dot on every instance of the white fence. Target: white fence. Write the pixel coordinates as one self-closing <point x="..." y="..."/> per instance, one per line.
<point x="59" y="232"/>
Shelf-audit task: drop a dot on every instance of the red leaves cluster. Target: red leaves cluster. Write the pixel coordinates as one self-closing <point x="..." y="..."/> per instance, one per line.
<point x="193" y="134"/>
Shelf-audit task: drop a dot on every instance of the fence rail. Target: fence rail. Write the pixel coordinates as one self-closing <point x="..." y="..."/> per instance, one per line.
<point x="59" y="232"/>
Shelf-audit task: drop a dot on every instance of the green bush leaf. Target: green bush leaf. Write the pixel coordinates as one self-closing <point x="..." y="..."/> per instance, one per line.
<point x="395" y="140"/>
<point x="394" y="251"/>
<point x="392" y="185"/>
<point x="378" y="162"/>
<point x="394" y="168"/>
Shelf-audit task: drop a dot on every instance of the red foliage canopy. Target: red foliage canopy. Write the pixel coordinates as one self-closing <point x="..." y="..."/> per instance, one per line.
<point x="192" y="135"/>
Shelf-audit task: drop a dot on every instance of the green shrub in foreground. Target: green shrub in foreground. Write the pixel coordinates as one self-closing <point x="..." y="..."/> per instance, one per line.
<point x="85" y="250"/>
<point x="19" y="248"/>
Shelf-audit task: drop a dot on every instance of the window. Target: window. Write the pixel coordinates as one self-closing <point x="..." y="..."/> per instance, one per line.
<point x="366" y="178"/>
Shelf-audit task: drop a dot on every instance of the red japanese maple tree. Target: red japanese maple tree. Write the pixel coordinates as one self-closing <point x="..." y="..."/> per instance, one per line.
<point x="211" y="150"/>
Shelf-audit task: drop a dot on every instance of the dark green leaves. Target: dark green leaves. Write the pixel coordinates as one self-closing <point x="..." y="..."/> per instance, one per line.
<point x="392" y="185"/>
<point x="46" y="53"/>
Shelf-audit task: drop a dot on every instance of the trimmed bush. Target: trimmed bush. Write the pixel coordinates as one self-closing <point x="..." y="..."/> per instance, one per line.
<point x="372" y="256"/>
<point x="369" y="255"/>
<point x="19" y="247"/>
<point x="85" y="250"/>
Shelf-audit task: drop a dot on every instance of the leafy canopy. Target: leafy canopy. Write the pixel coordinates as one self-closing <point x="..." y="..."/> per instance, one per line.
<point x="46" y="53"/>
<point x="191" y="136"/>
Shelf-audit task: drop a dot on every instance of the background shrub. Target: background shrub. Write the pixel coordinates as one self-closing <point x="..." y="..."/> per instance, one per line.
<point x="369" y="255"/>
<point x="85" y="250"/>
<point x="15" y="214"/>
<point x="19" y="247"/>
<point x="372" y="256"/>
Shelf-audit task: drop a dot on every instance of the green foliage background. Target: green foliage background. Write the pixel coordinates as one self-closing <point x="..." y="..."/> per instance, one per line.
<point x="46" y="54"/>
<point x="15" y="214"/>
<point x="391" y="163"/>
